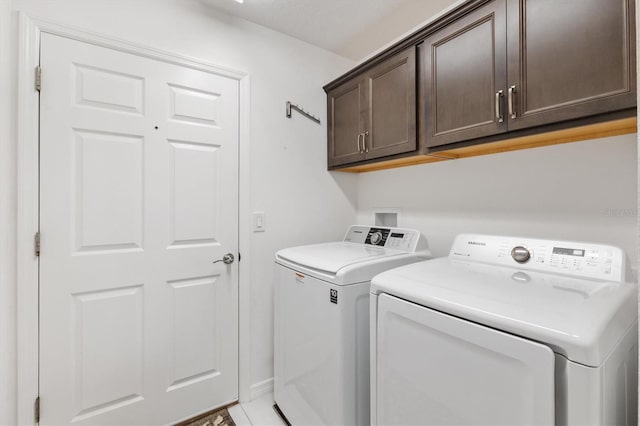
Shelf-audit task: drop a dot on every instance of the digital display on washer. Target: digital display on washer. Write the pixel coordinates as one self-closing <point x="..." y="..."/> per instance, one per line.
<point x="568" y="251"/>
<point x="396" y="235"/>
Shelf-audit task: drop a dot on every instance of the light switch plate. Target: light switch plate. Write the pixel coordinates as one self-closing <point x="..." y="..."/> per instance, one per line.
<point x="258" y="222"/>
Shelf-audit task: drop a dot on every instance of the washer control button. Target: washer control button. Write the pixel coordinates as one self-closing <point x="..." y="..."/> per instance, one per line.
<point x="520" y="254"/>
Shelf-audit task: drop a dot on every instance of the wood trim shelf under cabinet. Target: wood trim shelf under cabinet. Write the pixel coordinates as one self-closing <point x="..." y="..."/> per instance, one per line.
<point x="574" y="134"/>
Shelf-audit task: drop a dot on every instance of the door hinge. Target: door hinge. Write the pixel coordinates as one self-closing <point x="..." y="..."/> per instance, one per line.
<point x="239" y="257"/>
<point x="38" y="78"/>
<point x="36" y="410"/>
<point x="36" y="243"/>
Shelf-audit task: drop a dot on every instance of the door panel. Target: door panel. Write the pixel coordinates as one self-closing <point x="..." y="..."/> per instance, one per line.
<point x="106" y="347"/>
<point x="105" y="89"/>
<point x="436" y="369"/>
<point x="570" y="59"/>
<point x="194" y="181"/>
<point x="108" y="202"/>
<point x="345" y="123"/>
<point x="192" y="320"/>
<point x="463" y="67"/>
<point x="392" y="106"/>
<point x="139" y="162"/>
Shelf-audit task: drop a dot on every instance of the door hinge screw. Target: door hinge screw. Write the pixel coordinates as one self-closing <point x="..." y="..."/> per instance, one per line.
<point x="38" y="78"/>
<point x="36" y="240"/>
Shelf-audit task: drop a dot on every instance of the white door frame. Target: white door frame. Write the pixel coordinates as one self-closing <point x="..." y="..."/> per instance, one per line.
<point x="28" y="198"/>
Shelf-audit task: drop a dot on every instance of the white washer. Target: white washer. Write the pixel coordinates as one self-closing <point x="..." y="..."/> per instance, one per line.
<point x="504" y="331"/>
<point x="321" y="306"/>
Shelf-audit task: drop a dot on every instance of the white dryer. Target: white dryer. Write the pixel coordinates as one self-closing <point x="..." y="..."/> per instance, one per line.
<point x="321" y="306"/>
<point x="506" y="331"/>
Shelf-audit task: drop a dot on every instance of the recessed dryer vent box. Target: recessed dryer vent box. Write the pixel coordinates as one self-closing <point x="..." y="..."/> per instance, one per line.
<point x="387" y="217"/>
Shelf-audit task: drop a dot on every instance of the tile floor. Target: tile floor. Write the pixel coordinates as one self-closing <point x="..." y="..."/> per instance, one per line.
<point x="258" y="412"/>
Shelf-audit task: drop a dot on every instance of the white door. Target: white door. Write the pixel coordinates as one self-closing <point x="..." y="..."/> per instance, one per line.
<point x="138" y="195"/>
<point x="435" y="369"/>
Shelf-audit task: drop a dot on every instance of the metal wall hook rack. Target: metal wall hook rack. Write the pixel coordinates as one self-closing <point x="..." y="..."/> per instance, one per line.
<point x="291" y="106"/>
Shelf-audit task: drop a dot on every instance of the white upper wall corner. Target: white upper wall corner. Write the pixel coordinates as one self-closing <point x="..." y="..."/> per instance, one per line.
<point x="352" y="29"/>
<point x="409" y="16"/>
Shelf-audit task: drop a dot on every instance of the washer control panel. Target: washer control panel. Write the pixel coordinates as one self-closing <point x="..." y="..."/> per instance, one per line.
<point x="377" y="236"/>
<point x="586" y="260"/>
<point x="393" y="238"/>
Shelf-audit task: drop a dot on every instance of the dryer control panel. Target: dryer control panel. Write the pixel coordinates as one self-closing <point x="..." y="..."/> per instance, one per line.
<point x="585" y="260"/>
<point x="408" y="240"/>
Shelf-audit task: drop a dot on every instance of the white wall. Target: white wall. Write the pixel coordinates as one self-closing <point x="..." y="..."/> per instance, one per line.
<point x="584" y="191"/>
<point x="7" y="220"/>
<point x="289" y="182"/>
<point x="407" y="17"/>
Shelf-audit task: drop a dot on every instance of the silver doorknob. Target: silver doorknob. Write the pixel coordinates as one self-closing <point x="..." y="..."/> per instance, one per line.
<point x="226" y="259"/>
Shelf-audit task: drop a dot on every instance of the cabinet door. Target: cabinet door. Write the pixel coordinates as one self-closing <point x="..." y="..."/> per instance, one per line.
<point x="391" y="101"/>
<point x="345" y="123"/>
<point x="569" y="59"/>
<point x="463" y="70"/>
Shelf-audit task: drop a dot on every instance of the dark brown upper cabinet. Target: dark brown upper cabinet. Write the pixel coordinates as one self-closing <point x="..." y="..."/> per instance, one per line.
<point x="489" y="76"/>
<point x="517" y="64"/>
<point x="391" y="115"/>
<point x="345" y="107"/>
<point x="569" y="59"/>
<point x="373" y="115"/>
<point x="464" y="74"/>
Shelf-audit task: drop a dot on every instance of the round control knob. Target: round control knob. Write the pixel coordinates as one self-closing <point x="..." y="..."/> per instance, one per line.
<point x="376" y="237"/>
<point x="521" y="254"/>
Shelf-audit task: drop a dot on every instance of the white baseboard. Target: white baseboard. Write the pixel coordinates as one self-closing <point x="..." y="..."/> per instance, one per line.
<point x="261" y="388"/>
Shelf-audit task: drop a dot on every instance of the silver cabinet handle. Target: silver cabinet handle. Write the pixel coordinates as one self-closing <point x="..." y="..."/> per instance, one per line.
<point x="364" y="141"/>
<point x="227" y="259"/>
<point x="361" y="150"/>
<point x="499" y="116"/>
<point x="512" y="112"/>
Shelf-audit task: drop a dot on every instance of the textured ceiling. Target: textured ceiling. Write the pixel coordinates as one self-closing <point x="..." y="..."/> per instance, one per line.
<point x="325" y="23"/>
